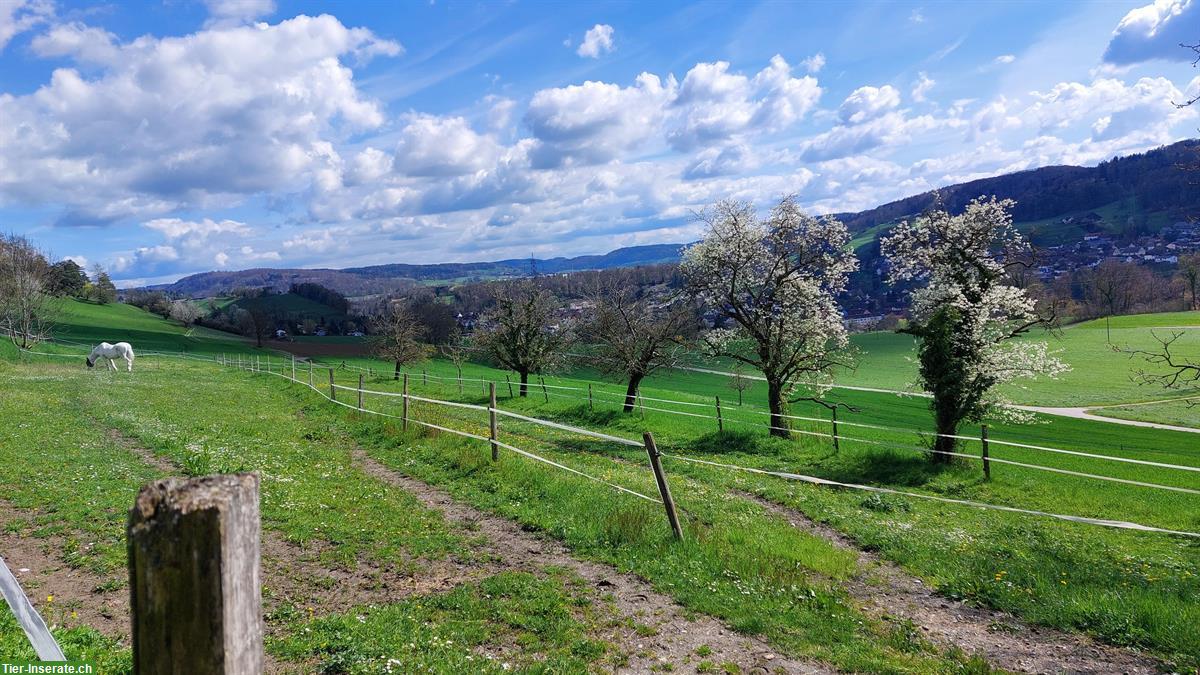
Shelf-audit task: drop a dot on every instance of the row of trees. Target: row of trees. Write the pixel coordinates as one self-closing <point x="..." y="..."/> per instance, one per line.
<point x="774" y="283"/>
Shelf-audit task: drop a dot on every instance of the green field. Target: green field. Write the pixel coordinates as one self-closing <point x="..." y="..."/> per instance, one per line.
<point x="740" y="562"/>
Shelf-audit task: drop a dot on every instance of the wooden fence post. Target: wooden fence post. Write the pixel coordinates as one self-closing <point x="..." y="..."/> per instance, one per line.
<point x="293" y="367"/>
<point x="663" y="489"/>
<point x="720" y="420"/>
<point x="641" y="406"/>
<point x="404" y="402"/>
<point x="194" y="576"/>
<point x="492" y="420"/>
<point x="310" y="372"/>
<point x="424" y="379"/>
<point x="332" y="389"/>
<point x="360" y="378"/>
<point x="544" y="392"/>
<point x="983" y="439"/>
<point x="836" y="442"/>
<point x="510" y="392"/>
<point x="591" y="407"/>
<point x="257" y="364"/>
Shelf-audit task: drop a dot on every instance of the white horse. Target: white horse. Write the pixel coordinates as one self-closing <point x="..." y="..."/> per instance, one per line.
<point x="121" y="350"/>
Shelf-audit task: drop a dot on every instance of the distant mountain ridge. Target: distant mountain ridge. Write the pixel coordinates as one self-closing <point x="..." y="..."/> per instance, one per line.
<point x="1124" y="195"/>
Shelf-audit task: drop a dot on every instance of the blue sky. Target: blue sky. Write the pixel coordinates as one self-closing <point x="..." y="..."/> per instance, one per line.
<point x="175" y="136"/>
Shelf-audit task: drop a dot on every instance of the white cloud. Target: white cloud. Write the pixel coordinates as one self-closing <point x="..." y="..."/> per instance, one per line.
<point x="714" y="105"/>
<point x="596" y="42"/>
<point x="726" y="161"/>
<point x="594" y="121"/>
<point x="442" y="146"/>
<point x="922" y="86"/>
<point x="196" y="230"/>
<point x="18" y="16"/>
<point x="1004" y="59"/>
<point x="867" y="103"/>
<point x="160" y="122"/>
<point x="1155" y="31"/>
<point x="916" y="16"/>
<point x="233" y="12"/>
<point x="814" y="63"/>
<point x="82" y="261"/>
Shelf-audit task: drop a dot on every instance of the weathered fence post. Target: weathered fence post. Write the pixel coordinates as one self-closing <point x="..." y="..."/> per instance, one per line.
<point x="510" y="392"/>
<point x="332" y="388"/>
<point x="257" y="364"/>
<point x="310" y="372"/>
<point x="591" y="407"/>
<point x="661" y="479"/>
<point x="836" y="442"/>
<point x="293" y="367"/>
<point x="641" y="406"/>
<point x="360" y="388"/>
<point x="492" y="420"/>
<point x="404" y="403"/>
<point x="424" y="379"/>
<point x="544" y="392"/>
<point x="983" y="439"/>
<point x="194" y="577"/>
<point x="720" y="420"/>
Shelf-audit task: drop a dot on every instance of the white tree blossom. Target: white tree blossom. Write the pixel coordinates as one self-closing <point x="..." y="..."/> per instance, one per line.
<point x="966" y="313"/>
<point x="776" y="280"/>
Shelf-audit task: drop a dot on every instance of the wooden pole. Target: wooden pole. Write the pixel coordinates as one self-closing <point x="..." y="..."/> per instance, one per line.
<point x="983" y="439"/>
<point x="194" y="576"/>
<point x="360" y="378"/>
<point x="492" y="420"/>
<point x="310" y="372"/>
<point x="404" y="402"/>
<point x="510" y="391"/>
<point x="836" y="443"/>
<point x="663" y="489"/>
<point x="545" y="393"/>
<point x="332" y="389"/>
<point x="591" y="407"/>
<point x="424" y="379"/>
<point x="720" y="420"/>
<point x="293" y="367"/>
<point x="641" y="408"/>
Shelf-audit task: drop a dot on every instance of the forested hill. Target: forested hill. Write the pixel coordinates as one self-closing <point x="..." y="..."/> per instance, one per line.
<point x="1154" y="182"/>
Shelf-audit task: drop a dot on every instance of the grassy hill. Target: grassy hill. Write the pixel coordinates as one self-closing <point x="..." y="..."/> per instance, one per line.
<point x="87" y="440"/>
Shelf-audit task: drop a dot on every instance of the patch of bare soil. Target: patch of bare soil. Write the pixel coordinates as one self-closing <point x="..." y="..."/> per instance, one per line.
<point x="63" y="595"/>
<point x="886" y="591"/>
<point x="131" y="444"/>
<point x="653" y="630"/>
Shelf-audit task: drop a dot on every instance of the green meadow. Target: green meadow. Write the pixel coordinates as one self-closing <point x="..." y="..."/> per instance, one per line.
<point x="741" y="560"/>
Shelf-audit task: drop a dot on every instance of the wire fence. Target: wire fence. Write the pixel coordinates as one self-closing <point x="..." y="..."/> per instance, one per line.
<point x="289" y="371"/>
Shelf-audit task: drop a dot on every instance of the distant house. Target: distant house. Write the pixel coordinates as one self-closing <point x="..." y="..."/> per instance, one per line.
<point x="357" y="333"/>
<point x="281" y="334"/>
<point x="320" y="332"/>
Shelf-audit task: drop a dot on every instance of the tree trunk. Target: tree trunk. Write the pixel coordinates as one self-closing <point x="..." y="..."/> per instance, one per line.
<point x="396" y="373"/>
<point x="779" y="425"/>
<point x="942" y="445"/>
<point x="524" y="382"/>
<point x="631" y="392"/>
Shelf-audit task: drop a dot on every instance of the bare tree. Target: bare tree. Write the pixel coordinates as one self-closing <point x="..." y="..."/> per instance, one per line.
<point x="1172" y="371"/>
<point x="634" y="336"/>
<point x="777" y="280"/>
<point x="520" y="331"/>
<point x="738" y="380"/>
<point x="458" y="350"/>
<point x="26" y="308"/>
<point x="255" y="323"/>
<point x="1110" y="288"/>
<point x="398" y="339"/>
<point x="185" y="311"/>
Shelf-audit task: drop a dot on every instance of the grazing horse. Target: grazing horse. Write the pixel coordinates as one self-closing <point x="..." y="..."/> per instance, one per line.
<point x="121" y="350"/>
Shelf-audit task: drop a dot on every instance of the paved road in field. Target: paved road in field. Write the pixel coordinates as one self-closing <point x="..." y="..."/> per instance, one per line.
<point x="1077" y="413"/>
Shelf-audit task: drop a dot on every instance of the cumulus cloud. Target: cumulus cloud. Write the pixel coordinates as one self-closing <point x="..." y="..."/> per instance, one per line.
<point x="1004" y="59"/>
<point x="725" y="161"/>
<point x="595" y="121"/>
<point x="715" y="105"/>
<point x="867" y="103"/>
<point x="18" y="16"/>
<point x="921" y="87"/>
<point x="596" y="42"/>
<point x="442" y="146"/>
<point x="1155" y="31"/>
<point x="160" y="122"/>
<point x="814" y="63"/>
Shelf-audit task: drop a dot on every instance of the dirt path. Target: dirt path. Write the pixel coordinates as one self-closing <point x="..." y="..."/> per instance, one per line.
<point x="888" y="591"/>
<point x="677" y="636"/>
<point x="1086" y="414"/>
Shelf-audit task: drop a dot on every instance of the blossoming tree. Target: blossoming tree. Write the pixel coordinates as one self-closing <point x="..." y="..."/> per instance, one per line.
<point x="776" y="280"/>
<point x="965" y="312"/>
